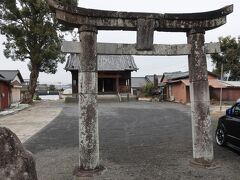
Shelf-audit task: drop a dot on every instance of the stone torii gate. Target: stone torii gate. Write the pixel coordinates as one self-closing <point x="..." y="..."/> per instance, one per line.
<point x="89" y="21"/>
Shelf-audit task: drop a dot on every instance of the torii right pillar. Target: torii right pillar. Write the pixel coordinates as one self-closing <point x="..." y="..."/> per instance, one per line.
<point x="199" y="95"/>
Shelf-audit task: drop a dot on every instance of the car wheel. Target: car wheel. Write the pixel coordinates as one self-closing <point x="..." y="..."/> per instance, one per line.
<point x="220" y="136"/>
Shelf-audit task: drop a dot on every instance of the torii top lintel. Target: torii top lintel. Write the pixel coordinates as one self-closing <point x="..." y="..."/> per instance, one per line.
<point x="113" y="20"/>
<point x="144" y="23"/>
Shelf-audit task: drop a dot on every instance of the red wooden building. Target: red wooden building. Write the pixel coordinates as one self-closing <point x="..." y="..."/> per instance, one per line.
<point x="5" y="91"/>
<point x="16" y="80"/>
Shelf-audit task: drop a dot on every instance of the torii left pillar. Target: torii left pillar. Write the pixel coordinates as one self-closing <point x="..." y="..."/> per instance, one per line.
<point x="88" y="117"/>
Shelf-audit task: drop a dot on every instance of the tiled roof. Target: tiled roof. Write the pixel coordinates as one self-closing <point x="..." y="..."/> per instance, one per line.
<point x="150" y="78"/>
<point x="138" y="82"/>
<point x="141" y="81"/>
<point x="215" y="83"/>
<point x="11" y="74"/>
<point x="171" y="76"/>
<point x="105" y="63"/>
<point x="232" y="83"/>
<point x="3" y="79"/>
<point x="175" y="75"/>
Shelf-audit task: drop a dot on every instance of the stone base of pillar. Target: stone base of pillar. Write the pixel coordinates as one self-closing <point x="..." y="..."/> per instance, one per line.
<point x="204" y="163"/>
<point x="79" y="173"/>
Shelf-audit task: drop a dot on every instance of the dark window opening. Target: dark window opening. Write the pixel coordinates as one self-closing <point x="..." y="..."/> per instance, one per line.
<point x="106" y="85"/>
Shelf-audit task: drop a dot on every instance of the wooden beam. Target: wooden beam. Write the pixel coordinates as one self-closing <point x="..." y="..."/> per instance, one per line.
<point x="130" y="49"/>
<point x="108" y="76"/>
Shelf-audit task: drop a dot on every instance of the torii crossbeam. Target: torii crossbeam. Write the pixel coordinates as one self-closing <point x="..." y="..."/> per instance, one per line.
<point x="130" y="49"/>
<point x="89" y="21"/>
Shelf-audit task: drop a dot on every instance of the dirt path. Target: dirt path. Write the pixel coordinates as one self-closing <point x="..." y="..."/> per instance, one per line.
<point x="29" y="121"/>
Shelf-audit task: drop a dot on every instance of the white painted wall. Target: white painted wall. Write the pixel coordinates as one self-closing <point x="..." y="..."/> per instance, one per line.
<point x="16" y="95"/>
<point x="16" y="92"/>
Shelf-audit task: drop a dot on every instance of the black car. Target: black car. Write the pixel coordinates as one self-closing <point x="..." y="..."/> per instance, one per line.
<point x="228" y="129"/>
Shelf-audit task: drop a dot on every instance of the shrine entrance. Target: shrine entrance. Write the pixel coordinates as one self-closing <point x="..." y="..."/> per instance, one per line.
<point x="89" y="21"/>
<point x="106" y="85"/>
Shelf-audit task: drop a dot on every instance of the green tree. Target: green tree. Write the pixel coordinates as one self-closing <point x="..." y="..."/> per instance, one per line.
<point x="32" y="34"/>
<point x="229" y="57"/>
<point x="52" y="87"/>
<point x="147" y="90"/>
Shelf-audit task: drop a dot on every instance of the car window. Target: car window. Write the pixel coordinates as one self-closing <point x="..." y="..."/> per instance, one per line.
<point x="236" y="110"/>
<point x="237" y="107"/>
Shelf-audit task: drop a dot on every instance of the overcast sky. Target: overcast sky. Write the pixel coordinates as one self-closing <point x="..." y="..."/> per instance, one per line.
<point x="146" y="64"/>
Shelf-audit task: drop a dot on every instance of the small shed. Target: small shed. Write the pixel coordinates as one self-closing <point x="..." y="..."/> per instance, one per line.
<point x="114" y="73"/>
<point x="230" y="91"/>
<point x="177" y="86"/>
<point x="5" y="91"/>
<point x="16" y="80"/>
<point x="137" y="84"/>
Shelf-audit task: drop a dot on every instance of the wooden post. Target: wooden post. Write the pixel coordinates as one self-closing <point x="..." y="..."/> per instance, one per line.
<point x="103" y="88"/>
<point x="199" y="94"/>
<point x="88" y="115"/>
<point x="74" y="84"/>
<point x="117" y="84"/>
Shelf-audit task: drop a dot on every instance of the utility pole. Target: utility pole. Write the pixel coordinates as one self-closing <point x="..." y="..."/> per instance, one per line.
<point x="221" y="88"/>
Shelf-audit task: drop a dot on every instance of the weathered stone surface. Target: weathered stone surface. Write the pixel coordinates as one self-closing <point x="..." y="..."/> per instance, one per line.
<point x="87" y="82"/>
<point x="130" y="49"/>
<point x="197" y="61"/>
<point x="201" y="91"/>
<point x="145" y="32"/>
<point x="212" y="48"/>
<point x="16" y="163"/>
<point x="202" y="138"/>
<point x="88" y="38"/>
<point x="88" y="132"/>
<point x="114" y="20"/>
<point x="199" y="94"/>
<point x="88" y="114"/>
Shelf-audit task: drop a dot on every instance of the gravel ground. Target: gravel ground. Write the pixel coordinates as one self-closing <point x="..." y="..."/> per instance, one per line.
<point x="138" y="140"/>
